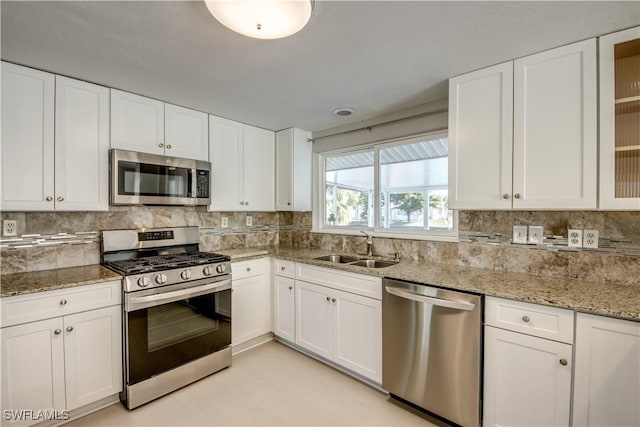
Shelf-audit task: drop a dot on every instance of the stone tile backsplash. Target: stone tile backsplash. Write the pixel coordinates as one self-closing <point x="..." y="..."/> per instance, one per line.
<point x="484" y="239"/>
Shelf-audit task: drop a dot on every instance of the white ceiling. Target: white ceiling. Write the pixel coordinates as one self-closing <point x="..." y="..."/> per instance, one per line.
<point x="376" y="57"/>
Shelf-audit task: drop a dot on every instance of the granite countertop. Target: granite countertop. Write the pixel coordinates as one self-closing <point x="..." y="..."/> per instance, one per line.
<point x="602" y="298"/>
<point x="49" y="280"/>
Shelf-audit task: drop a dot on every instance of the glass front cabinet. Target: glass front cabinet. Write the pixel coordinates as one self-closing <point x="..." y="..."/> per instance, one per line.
<point x="620" y="120"/>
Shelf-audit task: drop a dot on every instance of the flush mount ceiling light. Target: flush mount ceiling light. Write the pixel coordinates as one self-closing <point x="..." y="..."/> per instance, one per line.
<point x="262" y="19"/>
<point x="343" y="112"/>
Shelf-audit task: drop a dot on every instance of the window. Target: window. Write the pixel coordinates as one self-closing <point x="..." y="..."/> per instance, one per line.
<point x="398" y="187"/>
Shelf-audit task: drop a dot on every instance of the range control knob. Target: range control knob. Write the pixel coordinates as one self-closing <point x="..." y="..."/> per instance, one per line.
<point x="186" y="274"/>
<point x="144" y="281"/>
<point x="221" y="268"/>
<point x="208" y="271"/>
<point x="161" y="278"/>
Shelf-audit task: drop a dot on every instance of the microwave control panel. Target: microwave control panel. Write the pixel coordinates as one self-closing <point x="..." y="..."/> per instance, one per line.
<point x="202" y="184"/>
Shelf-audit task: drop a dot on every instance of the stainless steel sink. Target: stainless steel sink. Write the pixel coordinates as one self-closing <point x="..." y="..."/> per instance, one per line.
<point x="338" y="259"/>
<point x="373" y="263"/>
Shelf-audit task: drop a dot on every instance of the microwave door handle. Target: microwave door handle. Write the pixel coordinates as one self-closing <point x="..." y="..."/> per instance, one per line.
<point x="457" y="305"/>
<point x="138" y="303"/>
<point x="194" y="183"/>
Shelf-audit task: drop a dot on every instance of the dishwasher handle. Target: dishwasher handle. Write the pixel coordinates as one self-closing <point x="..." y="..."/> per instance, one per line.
<point x="457" y="305"/>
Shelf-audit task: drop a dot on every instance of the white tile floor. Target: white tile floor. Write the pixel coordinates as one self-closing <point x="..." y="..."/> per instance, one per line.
<point x="270" y="385"/>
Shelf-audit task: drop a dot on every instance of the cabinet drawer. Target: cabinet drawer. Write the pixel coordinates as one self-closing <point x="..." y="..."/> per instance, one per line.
<point x="285" y="268"/>
<point x="44" y="305"/>
<point x="254" y="267"/>
<point x="533" y="319"/>
<point x="361" y="284"/>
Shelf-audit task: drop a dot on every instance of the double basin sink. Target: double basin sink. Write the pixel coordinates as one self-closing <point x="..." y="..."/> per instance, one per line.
<point x="361" y="262"/>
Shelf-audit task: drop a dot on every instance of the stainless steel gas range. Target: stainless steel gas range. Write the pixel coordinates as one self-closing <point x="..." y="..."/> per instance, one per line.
<point x="177" y="309"/>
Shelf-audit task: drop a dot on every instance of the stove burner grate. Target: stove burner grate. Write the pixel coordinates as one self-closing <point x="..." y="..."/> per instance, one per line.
<point x="165" y="262"/>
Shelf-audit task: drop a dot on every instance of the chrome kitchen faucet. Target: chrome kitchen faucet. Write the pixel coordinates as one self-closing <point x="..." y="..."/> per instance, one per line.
<point x="369" y="243"/>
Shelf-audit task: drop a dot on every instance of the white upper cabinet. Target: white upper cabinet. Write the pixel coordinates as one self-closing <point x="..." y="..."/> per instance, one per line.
<point x="150" y="126"/>
<point x="293" y="170"/>
<point x="552" y="139"/>
<point x="555" y="149"/>
<point x="186" y="133"/>
<point x="43" y="169"/>
<point x="481" y="136"/>
<point x="620" y="120"/>
<point x="82" y="146"/>
<point x="27" y="149"/>
<point x="243" y="161"/>
<point x="259" y="169"/>
<point x="137" y="123"/>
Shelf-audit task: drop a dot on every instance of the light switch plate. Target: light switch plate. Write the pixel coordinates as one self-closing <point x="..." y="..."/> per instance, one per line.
<point x="224" y="222"/>
<point x="249" y="221"/>
<point x="590" y="239"/>
<point x="575" y="238"/>
<point x="519" y="234"/>
<point x="536" y="235"/>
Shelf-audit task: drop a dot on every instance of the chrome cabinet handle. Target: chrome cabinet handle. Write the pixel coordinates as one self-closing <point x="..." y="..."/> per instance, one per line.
<point x="242" y="203"/>
<point x="283" y="268"/>
<point x="69" y="328"/>
<point x="60" y="198"/>
<point x="290" y="287"/>
<point x="161" y="145"/>
<point x="57" y="332"/>
<point x="517" y="195"/>
<point x="169" y="146"/>
<point x="248" y="268"/>
<point x="63" y="302"/>
<point x="525" y="319"/>
<point x="48" y="199"/>
<point x="505" y="196"/>
<point x="246" y="203"/>
<point x="333" y="300"/>
<point x="563" y="362"/>
<point x="288" y="203"/>
<point x="328" y="299"/>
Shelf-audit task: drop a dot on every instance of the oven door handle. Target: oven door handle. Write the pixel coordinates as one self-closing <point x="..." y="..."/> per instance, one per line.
<point x="457" y="305"/>
<point x="137" y="303"/>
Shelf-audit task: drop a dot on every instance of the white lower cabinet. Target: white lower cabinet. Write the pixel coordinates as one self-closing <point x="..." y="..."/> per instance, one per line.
<point x="284" y="308"/>
<point x="64" y="362"/>
<point x="527" y="377"/>
<point x="525" y="381"/>
<point x="250" y="300"/>
<point x="343" y="327"/>
<point x="607" y="372"/>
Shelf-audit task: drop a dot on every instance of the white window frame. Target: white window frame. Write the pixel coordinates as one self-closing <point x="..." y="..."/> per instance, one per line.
<point x="319" y="191"/>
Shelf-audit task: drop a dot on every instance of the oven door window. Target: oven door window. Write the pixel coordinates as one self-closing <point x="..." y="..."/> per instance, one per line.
<point x="166" y="336"/>
<point x="143" y="179"/>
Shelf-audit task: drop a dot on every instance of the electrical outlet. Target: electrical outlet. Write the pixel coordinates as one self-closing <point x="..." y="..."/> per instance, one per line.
<point x="9" y="227"/>
<point x="249" y="221"/>
<point x="590" y="239"/>
<point x="519" y="234"/>
<point x="575" y="238"/>
<point x="224" y="222"/>
<point x="536" y="235"/>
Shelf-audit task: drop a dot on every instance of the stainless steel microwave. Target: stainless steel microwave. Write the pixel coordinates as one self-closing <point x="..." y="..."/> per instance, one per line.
<point x="150" y="179"/>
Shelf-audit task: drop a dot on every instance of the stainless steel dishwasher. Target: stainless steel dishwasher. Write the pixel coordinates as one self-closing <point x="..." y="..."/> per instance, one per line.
<point x="431" y="349"/>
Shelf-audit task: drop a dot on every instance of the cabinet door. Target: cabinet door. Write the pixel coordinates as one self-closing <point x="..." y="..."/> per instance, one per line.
<point x="26" y="151"/>
<point x="186" y="133"/>
<point x="93" y="355"/>
<point x="358" y="334"/>
<point x="314" y="318"/>
<point x="284" y="308"/>
<point x="137" y="123"/>
<point x="480" y="138"/>
<point x="259" y="169"/>
<point x="33" y="367"/>
<point x="607" y="374"/>
<point x="248" y="305"/>
<point x="525" y="380"/>
<point x="555" y="122"/>
<point x="284" y="170"/>
<point x="225" y="148"/>
<point x="619" y="57"/>
<point x="301" y="178"/>
<point x="82" y="146"/>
